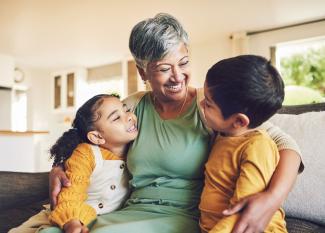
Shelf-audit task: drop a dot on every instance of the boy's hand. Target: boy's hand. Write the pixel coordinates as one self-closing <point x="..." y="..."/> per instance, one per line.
<point x="75" y="226"/>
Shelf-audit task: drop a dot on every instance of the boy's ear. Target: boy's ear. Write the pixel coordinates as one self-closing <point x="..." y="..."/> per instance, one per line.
<point x="142" y="73"/>
<point x="95" y="137"/>
<point x="240" y="120"/>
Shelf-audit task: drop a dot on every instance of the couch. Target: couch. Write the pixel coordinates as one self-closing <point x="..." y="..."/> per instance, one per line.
<point x="23" y="194"/>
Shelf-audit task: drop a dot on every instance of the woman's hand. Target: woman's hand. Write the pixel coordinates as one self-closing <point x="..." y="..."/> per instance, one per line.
<point x="256" y="212"/>
<point x="57" y="179"/>
<point x="75" y="226"/>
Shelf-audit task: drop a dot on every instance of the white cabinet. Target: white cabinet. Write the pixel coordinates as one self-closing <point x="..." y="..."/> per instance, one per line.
<point x="25" y="151"/>
<point x="7" y="66"/>
<point x="69" y="89"/>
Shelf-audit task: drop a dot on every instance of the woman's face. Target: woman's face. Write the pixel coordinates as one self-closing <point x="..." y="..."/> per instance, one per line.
<point x="169" y="76"/>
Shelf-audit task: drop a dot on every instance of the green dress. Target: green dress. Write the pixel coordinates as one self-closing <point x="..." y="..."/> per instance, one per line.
<point x="166" y="163"/>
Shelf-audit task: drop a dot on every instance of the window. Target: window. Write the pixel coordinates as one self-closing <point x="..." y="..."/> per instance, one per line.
<point x="302" y="66"/>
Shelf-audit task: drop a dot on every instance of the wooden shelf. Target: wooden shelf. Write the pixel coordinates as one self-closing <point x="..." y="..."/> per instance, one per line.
<point x="24" y="133"/>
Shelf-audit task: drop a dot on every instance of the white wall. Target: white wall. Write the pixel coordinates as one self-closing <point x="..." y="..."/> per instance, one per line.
<point x="260" y="43"/>
<point x="39" y="114"/>
<point x="204" y="55"/>
<point x="38" y="94"/>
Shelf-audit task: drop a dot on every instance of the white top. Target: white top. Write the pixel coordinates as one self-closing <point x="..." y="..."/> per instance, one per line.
<point x="109" y="184"/>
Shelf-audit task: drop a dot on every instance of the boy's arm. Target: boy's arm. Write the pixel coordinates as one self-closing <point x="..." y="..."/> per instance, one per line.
<point x="71" y="200"/>
<point x="258" y="209"/>
<point x="257" y="164"/>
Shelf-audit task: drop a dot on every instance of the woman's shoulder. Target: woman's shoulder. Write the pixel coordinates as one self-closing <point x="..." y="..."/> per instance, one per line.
<point x="133" y="100"/>
<point x="199" y="94"/>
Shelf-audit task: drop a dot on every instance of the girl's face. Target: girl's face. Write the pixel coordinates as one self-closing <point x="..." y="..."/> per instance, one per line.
<point x="213" y="114"/>
<point x="116" y="125"/>
<point x="169" y="76"/>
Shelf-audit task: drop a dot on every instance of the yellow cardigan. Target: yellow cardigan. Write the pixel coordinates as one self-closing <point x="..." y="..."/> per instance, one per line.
<point x="71" y="200"/>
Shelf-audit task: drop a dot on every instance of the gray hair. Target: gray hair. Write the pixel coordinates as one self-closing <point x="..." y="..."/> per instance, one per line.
<point x="153" y="38"/>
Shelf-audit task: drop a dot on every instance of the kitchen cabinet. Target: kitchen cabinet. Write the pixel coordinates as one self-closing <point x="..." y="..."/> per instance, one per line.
<point x="69" y="89"/>
<point x="24" y="151"/>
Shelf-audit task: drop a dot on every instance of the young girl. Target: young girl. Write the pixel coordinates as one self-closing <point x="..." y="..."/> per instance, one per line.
<point x="96" y="145"/>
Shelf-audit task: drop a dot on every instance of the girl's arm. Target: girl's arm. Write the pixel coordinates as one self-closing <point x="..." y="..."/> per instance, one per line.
<point x="71" y="200"/>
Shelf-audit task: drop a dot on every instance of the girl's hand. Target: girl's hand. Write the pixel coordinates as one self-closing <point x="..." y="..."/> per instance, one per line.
<point x="75" y="226"/>
<point x="256" y="212"/>
<point x="57" y="179"/>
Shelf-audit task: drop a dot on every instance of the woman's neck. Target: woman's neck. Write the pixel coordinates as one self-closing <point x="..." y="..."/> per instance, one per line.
<point x="173" y="109"/>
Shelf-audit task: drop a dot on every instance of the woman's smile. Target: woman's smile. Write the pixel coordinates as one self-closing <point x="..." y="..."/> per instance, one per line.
<point x="175" y="88"/>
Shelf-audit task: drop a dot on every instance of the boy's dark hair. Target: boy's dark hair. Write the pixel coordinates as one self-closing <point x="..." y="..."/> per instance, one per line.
<point x="81" y="125"/>
<point x="246" y="84"/>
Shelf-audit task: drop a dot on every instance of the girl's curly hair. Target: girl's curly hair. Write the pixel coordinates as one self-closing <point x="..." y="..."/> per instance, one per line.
<point x="82" y="124"/>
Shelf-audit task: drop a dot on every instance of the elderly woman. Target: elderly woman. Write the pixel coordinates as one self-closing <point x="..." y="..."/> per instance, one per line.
<point x="166" y="161"/>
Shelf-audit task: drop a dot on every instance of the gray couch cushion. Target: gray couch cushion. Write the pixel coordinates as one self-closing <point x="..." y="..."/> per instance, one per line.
<point x="19" y="188"/>
<point x="307" y="200"/>
<point x="301" y="226"/>
<point x="13" y="217"/>
<point x="21" y="196"/>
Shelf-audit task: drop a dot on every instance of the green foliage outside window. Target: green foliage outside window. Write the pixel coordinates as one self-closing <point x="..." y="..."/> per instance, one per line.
<point x="308" y="70"/>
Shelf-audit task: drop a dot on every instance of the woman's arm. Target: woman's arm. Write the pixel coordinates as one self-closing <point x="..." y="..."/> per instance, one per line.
<point x="258" y="209"/>
<point x="57" y="180"/>
<point x="282" y="140"/>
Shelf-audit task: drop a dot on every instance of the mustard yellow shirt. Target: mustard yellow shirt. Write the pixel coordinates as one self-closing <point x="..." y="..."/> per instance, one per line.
<point x="237" y="167"/>
<point x="71" y="200"/>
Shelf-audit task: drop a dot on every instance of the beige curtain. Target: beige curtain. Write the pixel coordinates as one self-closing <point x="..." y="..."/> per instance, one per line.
<point x="239" y="43"/>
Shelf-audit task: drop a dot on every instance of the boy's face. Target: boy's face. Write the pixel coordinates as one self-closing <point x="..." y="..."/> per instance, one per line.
<point x="214" y="116"/>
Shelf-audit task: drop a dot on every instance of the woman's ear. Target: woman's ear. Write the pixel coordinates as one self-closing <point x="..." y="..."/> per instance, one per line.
<point x="95" y="137"/>
<point x="142" y="73"/>
<point x="241" y="120"/>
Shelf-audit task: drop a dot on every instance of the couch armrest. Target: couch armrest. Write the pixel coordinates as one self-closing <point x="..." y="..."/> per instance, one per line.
<point x="19" y="188"/>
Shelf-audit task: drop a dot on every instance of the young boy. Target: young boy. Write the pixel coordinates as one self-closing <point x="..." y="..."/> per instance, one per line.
<point x="240" y="94"/>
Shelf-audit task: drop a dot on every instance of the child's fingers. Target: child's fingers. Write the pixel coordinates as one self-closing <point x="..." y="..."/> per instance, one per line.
<point x="85" y="230"/>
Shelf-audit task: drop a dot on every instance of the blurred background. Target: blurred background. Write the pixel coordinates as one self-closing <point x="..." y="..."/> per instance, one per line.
<point x="56" y="54"/>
